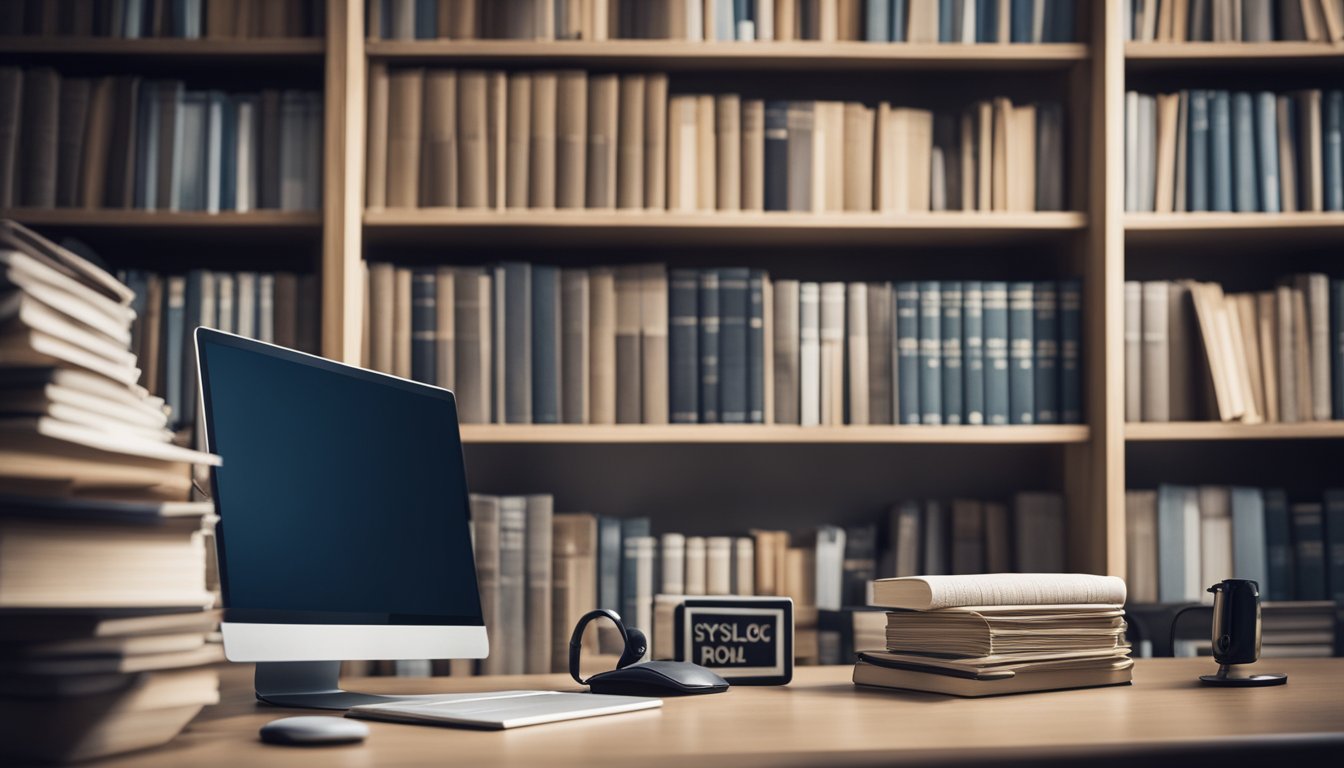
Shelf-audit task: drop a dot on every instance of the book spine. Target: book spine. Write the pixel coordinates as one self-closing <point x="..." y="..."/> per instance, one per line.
<point x="877" y="21"/>
<point x="973" y="349"/>
<point x="798" y="174"/>
<point x="930" y="353"/>
<point x="424" y="326"/>
<point x="785" y="331"/>
<point x="907" y="353"/>
<point x="609" y="563"/>
<point x="539" y="575"/>
<point x="1267" y="150"/>
<point x="1070" y="351"/>
<point x="809" y="354"/>
<point x="575" y="343"/>
<point x="734" y="297"/>
<point x="653" y="375"/>
<point x="683" y="333"/>
<point x="1309" y="551"/>
<point x="1245" y="189"/>
<point x="1021" y="349"/>
<point x="951" y="363"/>
<point x="1278" y="546"/>
<point x="1220" y="149"/>
<point x="996" y="353"/>
<point x="1334" y="543"/>
<point x="756" y="361"/>
<point x="857" y="362"/>
<point x="512" y="642"/>
<point x="1332" y="148"/>
<point x="709" y="338"/>
<point x="1337" y="348"/>
<point x="517" y="341"/>
<point x="485" y="519"/>
<point x="545" y="344"/>
<point x="1199" y="176"/>
<point x="1046" y="362"/>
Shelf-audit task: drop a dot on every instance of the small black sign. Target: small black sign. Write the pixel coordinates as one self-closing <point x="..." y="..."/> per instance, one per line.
<point x="744" y="639"/>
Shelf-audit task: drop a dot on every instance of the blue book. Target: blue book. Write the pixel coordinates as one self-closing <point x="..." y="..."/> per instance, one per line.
<point x="1248" y="536"/>
<point x="930" y="353"/>
<point x="1198" y="181"/>
<point x="1332" y="137"/>
<point x="513" y="289"/>
<point x="950" y="332"/>
<point x="174" y="322"/>
<point x="1278" y="547"/>
<point x="630" y="528"/>
<point x="1021" y="354"/>
<point x="947" y="21"/>
<point x="609" y="563"/>
<point x="776" y="156"/>
<point x="1334" y="543"/>
<point x="1220" y="151"/>
<point x="996" y="352"/>
<point x="1059" y="21"/>
<point x="546" y="329"/>
<point x="1245" y="186"/>
<point x="973" y="349"/>
<point x="907" y="352"/>
<point x="877" y="21"/>
<point x="426" y="19"/>
<point x="147" y="146"/>
<point x="756" y="361"/>
<point x="1337" y="348"/>
<point x="709" y="346"/>
<point x="1070" y="351"/>
<point x="986" y="21"/>
<point x="1177" y="539"/>
<point x="228" y="146"/>
<point x="1308" y="551"/>
<point x="734" y="306"/>
<point x="1267" y="150"/>
<point x="1045" y="364"/>
<point x="424" y="326"/>
<point x="1020" y="27"/>
<point x="899" y="10"/>
<point x="683" y="319"/>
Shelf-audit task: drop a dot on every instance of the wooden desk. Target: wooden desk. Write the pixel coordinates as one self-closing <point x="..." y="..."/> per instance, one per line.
<point x="822" y="719"/>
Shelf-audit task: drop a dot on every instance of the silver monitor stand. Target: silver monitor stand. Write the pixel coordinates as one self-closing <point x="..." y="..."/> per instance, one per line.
<point x="311" y="685"/>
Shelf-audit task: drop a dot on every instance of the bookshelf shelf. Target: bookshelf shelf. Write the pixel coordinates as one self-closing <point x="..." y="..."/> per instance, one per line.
<point x="1207" y="228"/>
<point x="1223" y="56"/>
<point x="118" y="219"/>
<point x="723" y="228"/>
<point x="168" y="48"/>
<point x="699" y="434"/>
<point x="678" y="55"/>
<point x="1218" y="430"/>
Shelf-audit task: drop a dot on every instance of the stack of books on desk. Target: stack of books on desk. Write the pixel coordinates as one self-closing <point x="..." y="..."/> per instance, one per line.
<point x="103" y="620"/>
<point x="999" y="633"/>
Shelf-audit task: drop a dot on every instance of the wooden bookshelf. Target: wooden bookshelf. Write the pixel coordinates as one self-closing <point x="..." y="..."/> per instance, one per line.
<point x="196" y="221"/>
<point x="169" y="48"/>
<point x="732" y="434"/>
<point x="1211" y="228"/>
<point x="1195" y="431"/>
<point x="1150" y="56"/>
<point x="575" y="227"/>
<point x="677" y="55"/>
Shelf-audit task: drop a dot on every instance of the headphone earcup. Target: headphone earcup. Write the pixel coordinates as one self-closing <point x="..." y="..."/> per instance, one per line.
<point x="636" y="644"/>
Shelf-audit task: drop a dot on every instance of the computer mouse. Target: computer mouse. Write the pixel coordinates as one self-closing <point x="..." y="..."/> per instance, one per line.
<point x="313" y="731"/>
<point x="658" y="678"/>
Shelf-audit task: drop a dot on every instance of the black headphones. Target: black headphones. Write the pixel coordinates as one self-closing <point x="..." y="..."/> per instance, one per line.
<point x="636" y="644"/>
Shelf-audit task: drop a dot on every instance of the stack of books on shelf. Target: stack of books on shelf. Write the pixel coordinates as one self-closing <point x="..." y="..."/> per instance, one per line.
<point x="190" y="19"/>
<point x="540" y="570"/>
<point x="877" y="21"/>
<point x="1194" y="352"/>
<point x="572" y="139"/>
<point x="999" y="633"/>
<point x="275" y="307"/>
<point x="102" y="559"/>
<point x="525" y="343"/>
<point x="129" y="142"/>
<point x="1206" y="150"/>
<point x="1243" y="21"/>
<point x="1181" y="539"/>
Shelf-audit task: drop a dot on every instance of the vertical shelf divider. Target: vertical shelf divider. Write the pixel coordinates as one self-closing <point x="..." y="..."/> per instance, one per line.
<point x="343" y="183"/>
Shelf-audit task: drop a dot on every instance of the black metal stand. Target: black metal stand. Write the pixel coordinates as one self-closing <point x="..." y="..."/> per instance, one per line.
<point x="311" y="685"/>
<point x="1225" y="678"/>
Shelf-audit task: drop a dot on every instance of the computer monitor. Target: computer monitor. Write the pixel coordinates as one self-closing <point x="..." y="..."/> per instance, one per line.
<point x="343" y="518"/>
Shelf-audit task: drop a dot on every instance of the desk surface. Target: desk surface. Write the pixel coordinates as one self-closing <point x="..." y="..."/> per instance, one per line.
<point x="823" y="719"/>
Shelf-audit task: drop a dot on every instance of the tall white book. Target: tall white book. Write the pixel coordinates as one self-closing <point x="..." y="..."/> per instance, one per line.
<point x="809" y="353"/>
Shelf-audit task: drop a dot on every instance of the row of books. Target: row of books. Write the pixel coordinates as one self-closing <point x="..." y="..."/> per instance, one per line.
<point x="572" y="139"/>
<point x="1234" y="21"/>
<point x="914" y="21"/>
<point x="127" y="142"/>
<point x="1180" y="539"/>
<point x="534" y="343"/>
<point x="539" y="570"/>
<point x="1202" y="150"/>
<point x="279" y="308"/>
<point x="1195" y="352"/>
<point x="191" y="19"/>
<point x="103" y="646"/>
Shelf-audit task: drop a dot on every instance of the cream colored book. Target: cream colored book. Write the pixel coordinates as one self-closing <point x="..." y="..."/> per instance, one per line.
<point x="1168" y="109"/>
<point x="473" y="158"/>
<point x="541" y="160"/>
<point x="518" y="140"/>
<point x="438" y="172"/>
<point x="571" y="138"/>
<point x="602" y="346"/>
<point x="923" y="593"/>
<point x="753" y="155"/>
<point x="630" y="143"/>
<point x="401" y="322"/>
<point x="1119" y="672"/>
<point x="1244" y="320"/>
<point x="706" y="179"/>
<point x="653" y="344"/>
<point x="603" y="120"/>
<point x="968" y="633"/>
<point x="1022" y="159"/>
<point x="375" y="179"/>
<point x="655" y="141"/>
<point x="858" y="157"/>
<point x="856" y="333"/>
<point x="836" y="172"/>
<point x="1269" y="352"/>
<point x="728" y="152"/>
<point x="682" y="158"/>
<point x="405" y="96"/>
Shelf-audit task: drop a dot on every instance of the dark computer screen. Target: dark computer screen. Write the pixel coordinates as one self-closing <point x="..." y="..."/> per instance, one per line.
<point x="342" y="496"/>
